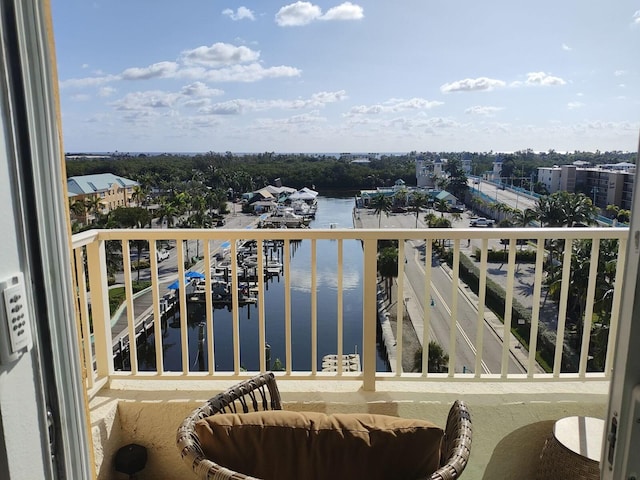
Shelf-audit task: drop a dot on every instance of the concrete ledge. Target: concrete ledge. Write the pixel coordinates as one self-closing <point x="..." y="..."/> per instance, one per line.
<point x="149" y="415"/>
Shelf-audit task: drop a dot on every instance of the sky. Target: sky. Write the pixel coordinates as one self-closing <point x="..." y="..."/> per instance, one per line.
<point x="356" y="76"/>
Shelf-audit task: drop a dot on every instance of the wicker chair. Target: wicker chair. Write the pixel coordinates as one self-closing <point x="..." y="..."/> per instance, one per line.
<point x="261" y="393"/>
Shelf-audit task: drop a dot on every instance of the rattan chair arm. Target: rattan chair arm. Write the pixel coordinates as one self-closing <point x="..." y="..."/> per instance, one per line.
<point x="457" y="443"/>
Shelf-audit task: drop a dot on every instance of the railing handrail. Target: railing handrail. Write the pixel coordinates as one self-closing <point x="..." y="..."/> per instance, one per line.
<point x="84" y="238"/>
<point x="93" y="242"/>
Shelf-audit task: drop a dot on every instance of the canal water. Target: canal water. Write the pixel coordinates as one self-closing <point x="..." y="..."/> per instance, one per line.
<point x="331" y="211"/>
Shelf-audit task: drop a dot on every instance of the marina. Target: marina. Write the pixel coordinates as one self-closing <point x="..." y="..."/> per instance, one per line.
<point x="331" y="213"/>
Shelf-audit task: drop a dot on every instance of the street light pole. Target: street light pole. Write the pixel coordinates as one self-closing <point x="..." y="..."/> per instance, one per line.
<point x="531" y="184"/>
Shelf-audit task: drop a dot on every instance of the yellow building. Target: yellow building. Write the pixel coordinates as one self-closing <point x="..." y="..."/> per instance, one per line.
<point x="111" y="190"/>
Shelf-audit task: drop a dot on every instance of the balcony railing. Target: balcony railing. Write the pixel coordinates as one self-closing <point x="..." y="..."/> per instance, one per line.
<point x="557" y="345"/>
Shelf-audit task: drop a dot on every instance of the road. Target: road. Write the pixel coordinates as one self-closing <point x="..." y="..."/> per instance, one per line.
<point x="512" y="198"/>
<point x="467" y="316"/>
<point x="442" y="286"/>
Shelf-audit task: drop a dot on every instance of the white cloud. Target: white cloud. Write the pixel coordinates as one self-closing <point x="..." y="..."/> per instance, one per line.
<point x="106" y="91"/>
<point x="413" y="104"/>
<point x="619" y="73"/>
<point x="197" y="103"/>
<point x="232" y="107"/>
<point x="303" y="13"/>
<point x="636" y="17"/>
<point x="472" y="85"/>
<point x="541" y="78"/>
<point x="297" y="14"/>
<point x="160" y="69"/>
<point x="145" y="101"/>
<point x="345" y="11"/>
<point x="482" y="110"/>
<point x="328" y="97"/>
<point x="566" y="47"/>
<point x="80" y="97"/>
<point x="249" y="73"/>
<point x="238" y="106"/>
<point x="574" y="105"/>
<point x="302" y="119"/>
<point x="366" y="110"/>
<point x="87" y="81"/>
<point x="393" y="105"/>
<point x="240" y="14"/>
<point x="219" y="54"/>
<point x="199" y="89"/>
<point x="85" y="65"/>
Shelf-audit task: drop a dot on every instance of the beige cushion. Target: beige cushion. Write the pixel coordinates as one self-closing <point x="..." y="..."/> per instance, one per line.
<point x="294" y="445"/>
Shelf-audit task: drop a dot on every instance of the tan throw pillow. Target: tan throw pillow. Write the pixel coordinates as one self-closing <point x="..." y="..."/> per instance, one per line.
<point x="280" y="444"/>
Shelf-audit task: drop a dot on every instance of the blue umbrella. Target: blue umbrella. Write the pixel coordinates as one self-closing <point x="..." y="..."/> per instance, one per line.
<point x="174" y="286"/>
<point x="194" y="275"/>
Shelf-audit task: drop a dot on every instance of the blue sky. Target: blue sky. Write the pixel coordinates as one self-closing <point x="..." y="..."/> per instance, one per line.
<point x="361" y="76"/>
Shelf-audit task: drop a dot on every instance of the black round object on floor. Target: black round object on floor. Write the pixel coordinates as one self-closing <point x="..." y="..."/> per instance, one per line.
<point x="131" y="459"/>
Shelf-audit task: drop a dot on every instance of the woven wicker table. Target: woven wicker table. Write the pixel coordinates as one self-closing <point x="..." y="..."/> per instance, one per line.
<point x="573" y="451"/>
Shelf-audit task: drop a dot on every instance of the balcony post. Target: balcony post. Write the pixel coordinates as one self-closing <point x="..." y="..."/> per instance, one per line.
<point x="370" y="314"/>
<point x="97" y="267"/>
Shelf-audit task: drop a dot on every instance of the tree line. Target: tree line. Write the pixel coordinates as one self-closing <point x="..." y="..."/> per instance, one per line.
<point x="248" y="172"/>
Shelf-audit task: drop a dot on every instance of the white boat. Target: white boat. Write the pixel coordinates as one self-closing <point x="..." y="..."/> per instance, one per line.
<point x="286" y="217"/>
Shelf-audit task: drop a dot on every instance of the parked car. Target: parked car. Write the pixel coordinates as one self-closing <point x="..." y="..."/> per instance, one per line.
<point x="482" y="222"/>
<point x="162" y="255"/>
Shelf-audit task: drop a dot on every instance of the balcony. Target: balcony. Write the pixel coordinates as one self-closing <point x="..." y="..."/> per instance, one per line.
<point x="514" y="395"/>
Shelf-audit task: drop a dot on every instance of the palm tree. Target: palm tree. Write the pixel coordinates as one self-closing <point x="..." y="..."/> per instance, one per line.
<point x="430" y="219"/>
<point x="181" y="202"/>
<point x="401" y="197"/>
<point x="139" y="195"/>
<point x="93" y="206"/>
<point x="442" y="206"/>
<point x="199" y="219"/>
<point x="167" y="211"/>
<point x="139" y="245"/>
<point x="579" y="210"/>
<point x="417" y="200"/>
<point x="388" y="267"/>
<point x="441" y="223"/>
<point x="381" y="203"/>
<point x="78" y="208"/>
<point x="612" y="210"/>
<point x="524" y="218"/>
<point x="437" y="361"/>
<point x="564" y="209"/>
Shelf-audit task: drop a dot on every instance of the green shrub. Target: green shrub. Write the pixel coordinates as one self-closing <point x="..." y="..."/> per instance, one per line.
<point x="116" y="297"/>
<point x="502" y="256"/>
<point x="141" y="265"/>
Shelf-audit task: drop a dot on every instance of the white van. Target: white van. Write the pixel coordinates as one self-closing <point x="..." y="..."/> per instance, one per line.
<point x="162" y="255"/>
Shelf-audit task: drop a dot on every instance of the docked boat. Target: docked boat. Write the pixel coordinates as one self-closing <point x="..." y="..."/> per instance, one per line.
<point x="285" y="217"/>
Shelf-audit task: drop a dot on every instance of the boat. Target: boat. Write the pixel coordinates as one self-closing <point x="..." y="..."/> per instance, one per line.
<point x="350" y="363"/>
<point x="285" y="216"/>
